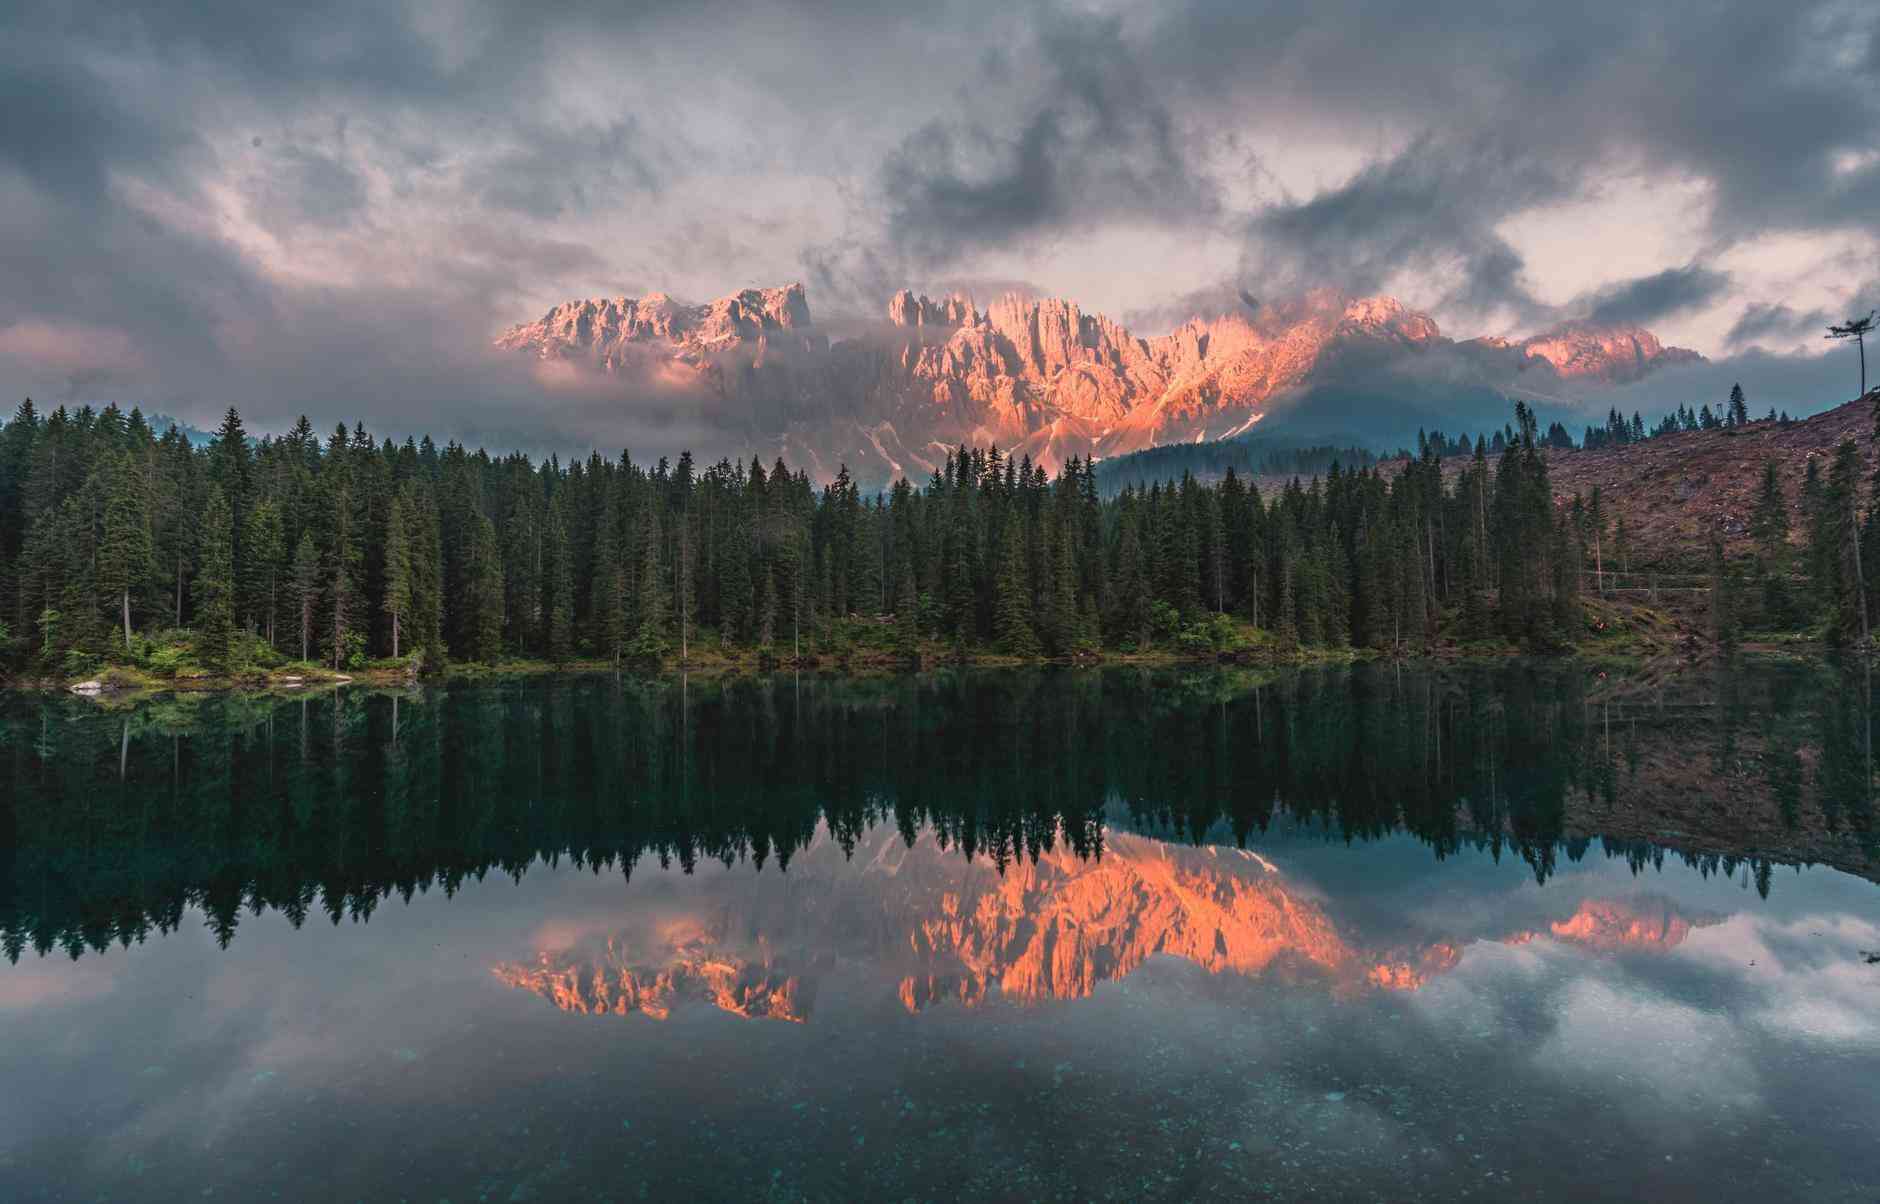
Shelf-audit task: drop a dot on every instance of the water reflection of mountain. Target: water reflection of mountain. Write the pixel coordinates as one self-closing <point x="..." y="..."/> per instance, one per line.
<point x="116" y="822"/>
<point x="935" y="928"/>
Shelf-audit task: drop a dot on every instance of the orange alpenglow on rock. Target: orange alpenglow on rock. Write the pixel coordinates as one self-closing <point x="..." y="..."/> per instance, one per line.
<point x="1037" y="377"/>
<point x="957" y="932"/>
<point x="612" y="981"/>
<point x="1646" y="922"/>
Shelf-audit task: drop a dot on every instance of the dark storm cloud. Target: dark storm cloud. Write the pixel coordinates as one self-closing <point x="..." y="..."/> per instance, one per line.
<point x="308" y="186"/>
<point x="961" y="137"/>
<point x="1776" y="321"/>
<point x="1647" y="299"/>
<point x="1094" y="139"/>
<point x="1215" y="300"/>
<point x="1479" y="117"/>
<point x="1432" y="207"/>
<point x="564" y="171"/>
<point x="1800" y="384"/>
<point x="106" y="108"/>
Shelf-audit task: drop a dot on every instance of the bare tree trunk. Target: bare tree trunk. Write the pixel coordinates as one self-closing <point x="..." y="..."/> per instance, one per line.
<point x="127" y="619"/>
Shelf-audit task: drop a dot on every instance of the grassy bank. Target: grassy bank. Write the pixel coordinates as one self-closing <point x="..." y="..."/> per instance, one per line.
<point x="172" y="661"/>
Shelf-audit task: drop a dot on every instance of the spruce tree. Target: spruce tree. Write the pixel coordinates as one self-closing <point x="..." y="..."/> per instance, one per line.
<point x="215" y="581"/>
<point x="398" y="575"/>
<point x="340" y="576"/>
<point x="126" y="558"/>
<point x="1850" y="615"/>
<point x="1769" y="527"/>
<point x="649" y="637"/>
<point x="560" y="587"/>
<point x="304" y="588"/>
<point x="485" y="599"/>
<point x="1012" y="623"/>
<point x="263" y="545"/>
<point x="607" y="611"/>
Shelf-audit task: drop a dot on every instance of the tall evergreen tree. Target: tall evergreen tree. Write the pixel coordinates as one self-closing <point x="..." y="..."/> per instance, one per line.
<point x="263" y="541"/>
<point x="485" y="596"/>
<point x="340" y="572"/>
<point x="1012" y="622"/>
<point x="560" y="587"/>
<point x="398" y="574"/>
<point x="215" y="580"/>
<point x="1769" y="527"/>
<point x="126" y="556"/>
<point x="305" y="587"/>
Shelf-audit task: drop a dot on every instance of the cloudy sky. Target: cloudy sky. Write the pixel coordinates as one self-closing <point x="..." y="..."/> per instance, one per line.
<point x="331" y="207"/>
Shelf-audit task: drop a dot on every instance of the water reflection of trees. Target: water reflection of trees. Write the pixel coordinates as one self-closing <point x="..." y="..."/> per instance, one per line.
<point x="116" y="823"/>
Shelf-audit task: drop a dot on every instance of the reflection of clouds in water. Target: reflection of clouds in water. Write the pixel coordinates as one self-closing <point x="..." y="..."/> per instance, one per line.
<point x="41" y="983"/>
<point x="1475" y="1000"/>
<point x="1804" y="978"/>
<point x="1657" y="1053"/>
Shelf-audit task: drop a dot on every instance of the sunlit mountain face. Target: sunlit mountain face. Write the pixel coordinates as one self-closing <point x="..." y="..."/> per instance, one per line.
<point x="935" y="928"/>
<point x="1040" y="377"/>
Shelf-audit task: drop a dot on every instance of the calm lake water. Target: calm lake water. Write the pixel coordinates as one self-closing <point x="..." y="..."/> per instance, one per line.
<point x="1375" y="934"/>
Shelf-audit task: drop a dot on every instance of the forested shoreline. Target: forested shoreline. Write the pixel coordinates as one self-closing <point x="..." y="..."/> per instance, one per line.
<point x="340" y="802"/>
<point x="120" y="545"/>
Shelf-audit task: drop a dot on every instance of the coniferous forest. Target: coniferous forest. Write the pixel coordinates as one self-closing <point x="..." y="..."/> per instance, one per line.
<point x="123" y="545"/>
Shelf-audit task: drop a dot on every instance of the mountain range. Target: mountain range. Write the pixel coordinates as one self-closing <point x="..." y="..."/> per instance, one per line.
<point x="1040" y="377"/>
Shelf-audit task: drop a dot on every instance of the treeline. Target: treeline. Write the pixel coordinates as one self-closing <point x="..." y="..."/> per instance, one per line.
<point x="117" y="823"/>
<point x="1620" y="430"/>
<point x="1830" y="581"/>
<point x="1246" y="456"/>
<point x="356" y="549"/>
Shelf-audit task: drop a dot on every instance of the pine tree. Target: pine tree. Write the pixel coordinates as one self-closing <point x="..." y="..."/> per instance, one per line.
<point x="1012" y="624"/>
<point x="305" y="588"/>
<point x="906" y="615"/>
<point x="398" y="575"/>
<point x="263" y="544"/>
<point x="608" y="610"/>
<point x="425" y="540"/>
<point x="340" y="572"/>
<point x="649" y="637"/>
<point x="1129" y="621"/>
<point x="736" y="602"/>
<point x="560" y="587"/>
<point x="684" y="593"/>
<point x="1739" y="406"/>
<point x="126" y="559"/>
<point x="215" y="581"/>
<point x="1769" y="527"/>
<point x="1838" y="545"/>
<point x="1062" y="613"/>
<point x="485" y="598"/>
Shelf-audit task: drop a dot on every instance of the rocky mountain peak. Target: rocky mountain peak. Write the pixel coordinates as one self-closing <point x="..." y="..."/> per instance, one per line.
<point x="1037" y="377"/>
<point x="1610" y="352"/>
<point x="905" y="309"/>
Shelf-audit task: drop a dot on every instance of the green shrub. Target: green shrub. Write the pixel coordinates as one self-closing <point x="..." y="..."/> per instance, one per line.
<point x="78" y="663"/>
<point x="1164" y="620"/>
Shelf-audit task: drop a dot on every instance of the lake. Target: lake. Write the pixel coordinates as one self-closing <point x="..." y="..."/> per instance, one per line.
<point x="1526" y="931"/>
